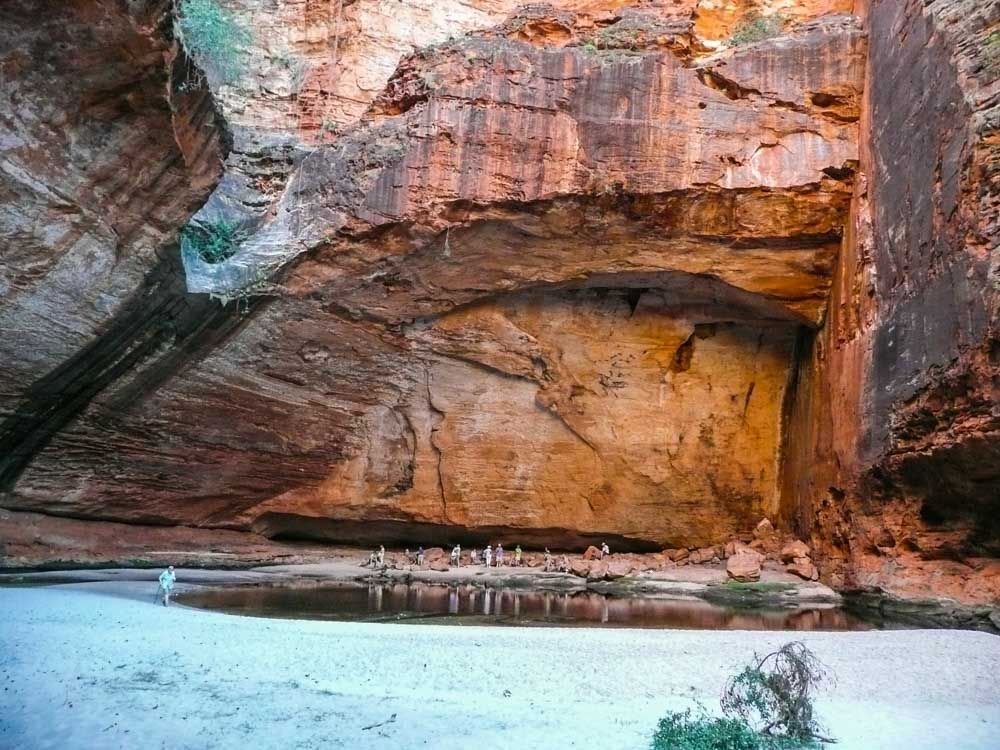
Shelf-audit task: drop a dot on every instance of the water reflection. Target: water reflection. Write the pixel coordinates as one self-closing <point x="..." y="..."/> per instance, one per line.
<point x="400" y="602"/>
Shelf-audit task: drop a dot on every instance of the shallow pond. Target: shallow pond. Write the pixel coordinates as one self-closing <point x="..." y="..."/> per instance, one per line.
<point x="475" y="605"/>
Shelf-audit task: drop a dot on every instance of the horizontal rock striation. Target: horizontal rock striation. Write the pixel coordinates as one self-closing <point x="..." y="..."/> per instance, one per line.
<point x="552" y="274"/>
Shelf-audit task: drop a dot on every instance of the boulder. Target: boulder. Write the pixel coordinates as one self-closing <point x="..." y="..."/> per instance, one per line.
<point x="703" y="555"/>
<point x="744" y="567"/>
<point x="579" y="567"/>
<point x="676" y="555"/>
<point x="432" y="554"/>
<point x="592" y="553"/>
<point x="735" y="547"/>
<point x="803" y="568"/>
<point x="440" y="564"/>
<point x="764" y="530"/>
<point x="619" y="569"/>
<point x="794" y="549"/>
<point x="598" y="571"/>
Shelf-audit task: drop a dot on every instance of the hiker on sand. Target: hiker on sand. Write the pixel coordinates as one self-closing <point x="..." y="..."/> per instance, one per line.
<point x="474" y="557"/>
<point x="167" y="580"/>
<point x="380" y="558"/>
<point x="420" y="557"/>
<point x="548" y="560"/>
<point x="517" y="556"/>
<point x="499" y="555"/>
<point x="456" y="556"/>
<point x="488" y="555"/>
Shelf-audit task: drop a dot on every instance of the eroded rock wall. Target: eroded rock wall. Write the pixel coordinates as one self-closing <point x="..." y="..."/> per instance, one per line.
<point x="895" y="448"/>
<point x="547" y="279"/>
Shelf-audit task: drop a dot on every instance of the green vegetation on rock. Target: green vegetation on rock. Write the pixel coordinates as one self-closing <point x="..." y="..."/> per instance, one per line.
<point x="212" y="37"/>
<point x="756" y="28"/>
<point x="213" y="242"/>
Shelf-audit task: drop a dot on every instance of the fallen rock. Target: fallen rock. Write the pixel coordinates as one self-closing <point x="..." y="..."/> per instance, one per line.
<point x="579" y="567"/>
<point x="703" y="555"/>
<point x="764" y="530"/>
<point x="744" y="567"/>
<point x="793" y="550"/>
<point x="676" y="555"/>
<point x="803" y="568"/>
<point x="592" y="553"/>
<point x="598" y="571"/>
<point x="618" y="569"/>
<point x="432" y="554"/>
<point x="735" y="547"/>
<point x="440" y="564"/>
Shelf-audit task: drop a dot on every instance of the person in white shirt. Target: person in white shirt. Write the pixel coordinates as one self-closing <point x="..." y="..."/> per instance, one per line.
<point x="488" y="555"/>
<point x="167" y="580"/>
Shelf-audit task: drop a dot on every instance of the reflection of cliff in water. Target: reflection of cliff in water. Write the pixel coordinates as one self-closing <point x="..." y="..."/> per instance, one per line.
<point x="400" y="602"/>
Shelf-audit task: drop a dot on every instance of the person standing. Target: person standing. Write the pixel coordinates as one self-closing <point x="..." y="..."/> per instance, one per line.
<point x="167" y="580"/>
<point x="499" y="555"/>
<point x="548" y="560"/>
<point x="456" y="556"/>
<point x="380" y="558"/>
<point x="517" y="556"/>
<point x="488" y="555"/>
<point x="605" y="550"/>
<point x="420" y="557"/>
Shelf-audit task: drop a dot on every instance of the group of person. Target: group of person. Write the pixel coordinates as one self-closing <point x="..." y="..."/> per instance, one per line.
<point x="490" y="557"/>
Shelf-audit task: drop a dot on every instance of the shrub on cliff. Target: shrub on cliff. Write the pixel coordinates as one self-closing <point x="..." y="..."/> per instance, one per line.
<point x="213" y="242"/>
<point x="756" y="28"/>
<point x="767" y="706"/>
<point x="212" y="37"/>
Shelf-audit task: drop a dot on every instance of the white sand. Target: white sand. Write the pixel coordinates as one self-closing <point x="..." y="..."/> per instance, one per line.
<point x="83" y="666"/>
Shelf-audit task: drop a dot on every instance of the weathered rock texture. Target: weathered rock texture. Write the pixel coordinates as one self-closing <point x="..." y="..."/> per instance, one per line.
<point x="550" y="273"/>
<point x="894" y="461"/>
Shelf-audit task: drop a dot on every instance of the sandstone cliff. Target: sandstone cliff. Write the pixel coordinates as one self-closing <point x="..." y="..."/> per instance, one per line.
<point x="564" y="272"/>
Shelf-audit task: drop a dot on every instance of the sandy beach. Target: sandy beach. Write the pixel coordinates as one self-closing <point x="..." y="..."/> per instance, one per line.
<point x="98" y="665"/>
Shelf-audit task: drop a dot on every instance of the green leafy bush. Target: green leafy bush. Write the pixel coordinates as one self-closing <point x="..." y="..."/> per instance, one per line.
<point x="756" y="28"/>
<point x="212" y="37"/>
<point x="767" y="706"/>
<point x="212" y="242"/>
<point x="683" y="731"/>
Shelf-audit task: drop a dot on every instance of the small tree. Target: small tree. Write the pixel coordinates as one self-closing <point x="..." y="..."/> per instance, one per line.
<point x="767" y="706"/>
<point x="774" y="696"/>
<point x="212" y="37"/>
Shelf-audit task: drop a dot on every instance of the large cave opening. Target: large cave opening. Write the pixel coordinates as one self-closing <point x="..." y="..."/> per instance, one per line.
<point x="650" y="414"/>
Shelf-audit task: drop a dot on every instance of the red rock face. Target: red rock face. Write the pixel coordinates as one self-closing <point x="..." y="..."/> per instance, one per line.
<point x="896" y="441"/>
<point x="583" y="273"/>
<point x="552" y="290"/>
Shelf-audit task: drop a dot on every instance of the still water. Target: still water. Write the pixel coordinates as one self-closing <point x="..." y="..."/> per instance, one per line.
<point x="474" y="605"/>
